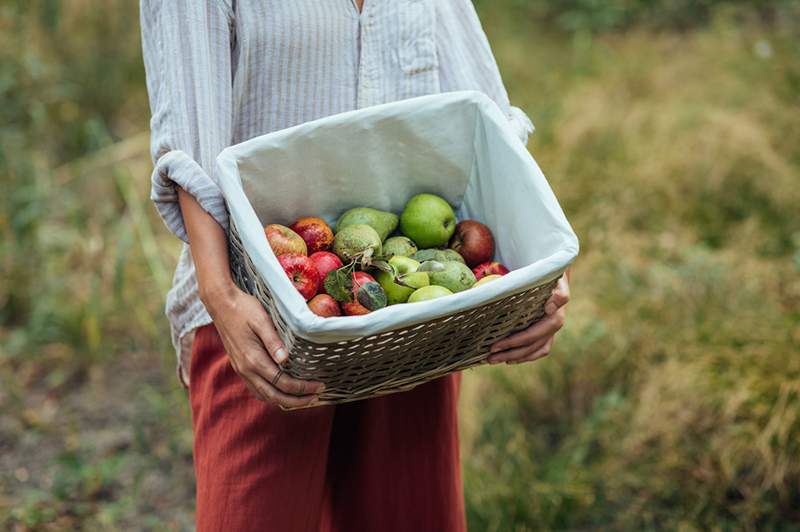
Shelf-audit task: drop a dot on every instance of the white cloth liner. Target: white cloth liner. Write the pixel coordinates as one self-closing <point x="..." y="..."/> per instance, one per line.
<point x="458" y="145"/>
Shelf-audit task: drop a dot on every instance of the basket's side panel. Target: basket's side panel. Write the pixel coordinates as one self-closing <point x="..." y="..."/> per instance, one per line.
<point x="398" y="359"/>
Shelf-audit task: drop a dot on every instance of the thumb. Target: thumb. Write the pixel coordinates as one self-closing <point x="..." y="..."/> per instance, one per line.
<point x="559" y="297"/>
<point x="265" y="330"/>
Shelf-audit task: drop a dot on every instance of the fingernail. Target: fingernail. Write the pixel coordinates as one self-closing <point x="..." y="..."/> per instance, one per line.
<point x="550" y="308"/>
<point x="321" y="388"/>
<point x="495" y="349"/>
<point x="314" y="401"/>
<point x="280" y="354"/>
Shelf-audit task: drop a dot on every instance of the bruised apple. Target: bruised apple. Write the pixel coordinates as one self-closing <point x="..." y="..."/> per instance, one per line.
<point x="283" y="240"/>
<point x="315" y="232"/>
<point x="302" y="272"/>
<point x="489" y="268"/>
<point x="325" y="306"/>
<point x="354" y="308"/>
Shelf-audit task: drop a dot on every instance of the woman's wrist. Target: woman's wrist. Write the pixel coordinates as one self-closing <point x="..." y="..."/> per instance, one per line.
<point x="217" y="294"/>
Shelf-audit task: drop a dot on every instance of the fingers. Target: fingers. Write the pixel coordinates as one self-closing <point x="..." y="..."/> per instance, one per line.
<point x="559" y="297"/>
<point x="257" y="363"/>
<point x="272" y="394"/>
<point x="537" y="354"/>
<point x="542" y="329"/>
<point x="265" y="330"/>
<point x="519" y="352"/>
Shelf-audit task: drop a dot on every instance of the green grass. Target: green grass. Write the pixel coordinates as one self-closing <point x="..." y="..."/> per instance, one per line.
<point x="672" y="398"/>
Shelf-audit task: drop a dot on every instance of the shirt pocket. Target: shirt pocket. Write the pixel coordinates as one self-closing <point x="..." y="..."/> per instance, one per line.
<point x="417" y="51"/>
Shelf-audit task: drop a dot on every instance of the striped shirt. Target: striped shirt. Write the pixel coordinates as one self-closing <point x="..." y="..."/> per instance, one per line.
<point x="223" y="71"/>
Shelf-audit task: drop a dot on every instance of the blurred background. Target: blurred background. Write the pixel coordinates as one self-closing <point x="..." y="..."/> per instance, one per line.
<point x="670" y="131"/>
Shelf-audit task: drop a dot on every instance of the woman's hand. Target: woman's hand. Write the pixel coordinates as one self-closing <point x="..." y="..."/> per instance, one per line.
<point x="254" y="348"/>
<point x="536" y="341"/>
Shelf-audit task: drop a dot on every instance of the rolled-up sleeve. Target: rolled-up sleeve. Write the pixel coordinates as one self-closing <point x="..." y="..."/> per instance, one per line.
<point x="466" y="61"/>
<point x="186" y="47"/>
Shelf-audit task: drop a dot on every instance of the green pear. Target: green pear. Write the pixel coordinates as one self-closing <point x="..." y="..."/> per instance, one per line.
<point x="441" y="255"/>
<point x="428" y="292"/>
<point x="407" y="274"/>
<point x="399" y="245"/>
<point x="428" y="220"/>
<point x="383" y="222"/>
<point x="456" y="276"/>
<point x="354" y="240"/>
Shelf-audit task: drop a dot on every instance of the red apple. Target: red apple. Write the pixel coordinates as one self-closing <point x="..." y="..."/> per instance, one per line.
<point x="355" y="308"/>
<point x="283" y="240"/>
<point x="302" y="273"/>
<point x="489" y="268"/>
<point x="324" y="305"/>
<point x="325" y="261"/>
<point x="315" y="232"/>
<point x="474" y="241"/>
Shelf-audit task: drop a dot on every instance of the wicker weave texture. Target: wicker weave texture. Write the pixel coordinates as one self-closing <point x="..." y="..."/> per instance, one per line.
<point x="399" y="359"/>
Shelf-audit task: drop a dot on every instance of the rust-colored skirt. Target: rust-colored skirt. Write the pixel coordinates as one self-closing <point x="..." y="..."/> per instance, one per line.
<point x="385" y="464"/>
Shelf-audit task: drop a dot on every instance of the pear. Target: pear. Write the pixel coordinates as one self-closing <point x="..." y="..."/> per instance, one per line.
<point x="354" y="240"/>
<point x="383" y="222"/>
<point x="399" y="246"/>
<point x="455" y="276"/>
<point x="441" y="255"/>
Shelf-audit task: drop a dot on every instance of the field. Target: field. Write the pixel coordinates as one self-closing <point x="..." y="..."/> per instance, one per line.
<point x="672" y="398"/>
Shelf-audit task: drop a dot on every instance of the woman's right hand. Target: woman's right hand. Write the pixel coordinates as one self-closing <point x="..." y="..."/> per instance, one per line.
<point x="254" y="348"/>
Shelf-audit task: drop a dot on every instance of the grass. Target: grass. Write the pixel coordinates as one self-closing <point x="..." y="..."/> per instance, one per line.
<point x="671" y="400"/>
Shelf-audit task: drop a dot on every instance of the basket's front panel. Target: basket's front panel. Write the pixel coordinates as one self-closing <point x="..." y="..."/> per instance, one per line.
<point x="397" y="359"/>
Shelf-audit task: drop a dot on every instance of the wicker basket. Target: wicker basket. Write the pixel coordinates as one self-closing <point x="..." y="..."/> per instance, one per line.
<point x="399" y="359"/>
<point x="455" y="145"/>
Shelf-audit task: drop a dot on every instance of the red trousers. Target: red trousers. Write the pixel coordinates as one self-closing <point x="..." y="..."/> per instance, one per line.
<point x="385" y="464"/>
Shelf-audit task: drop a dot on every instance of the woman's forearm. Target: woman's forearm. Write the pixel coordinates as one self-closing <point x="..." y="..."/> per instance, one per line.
<point x="209" y="249"/>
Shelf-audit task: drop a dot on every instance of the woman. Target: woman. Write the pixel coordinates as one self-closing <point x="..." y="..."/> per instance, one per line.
<point x="220" y="72"/>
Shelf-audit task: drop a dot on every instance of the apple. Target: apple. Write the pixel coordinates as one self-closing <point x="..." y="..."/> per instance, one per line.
<point x="354" y="308"/>
<point x="487" y="279"/>
<point x="406" y="270"/>
<point x="315" y="232"/>
<point x="489" y="268"/>
<point x="427" y="293"/>
<point x="325" y="306"/>
<point x="325" y="261"/>
<point x="302" y="272"/>
<point x="428" y="220"/>
<point x="473" y="241"/>
<point x="283" y="240"/>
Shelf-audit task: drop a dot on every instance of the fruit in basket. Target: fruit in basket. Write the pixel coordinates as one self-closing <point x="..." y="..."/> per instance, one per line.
<point x="371" y="296"/>
<point x="473" y="241"/>
<point x="302" y="272"/>
<point x="428" y="292"/>
<point x="399" y="245"/>
<point x="356" y="241"/>
<point x="487" y="279"/>
<point x="314" y="232"/>
<point x="353" y="307"/>
<point x="489" y="268"/>
<point x="428" y="220"/>
<point x="383" y="222"/>
<point x="441" y="255"/>
<point x="325" y="261"/>
<point x="405" y="280"/>
<point x="325" y="306"/>
<point x="283" y="240"/>
<point x="455" y="276"/>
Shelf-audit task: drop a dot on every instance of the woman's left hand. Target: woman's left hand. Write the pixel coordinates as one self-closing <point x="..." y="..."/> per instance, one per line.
<point x="536" y="341"/>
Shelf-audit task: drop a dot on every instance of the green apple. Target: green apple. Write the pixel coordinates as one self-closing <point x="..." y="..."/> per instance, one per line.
<point x="406" y="270"/>
<point x="428" y="220"/>
<point x="455" y="276"/>
<point x="428" y="292"/>
<point x="399" y="245"/>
